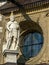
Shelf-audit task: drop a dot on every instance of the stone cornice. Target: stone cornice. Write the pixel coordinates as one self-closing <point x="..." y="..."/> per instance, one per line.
<point x="34" y="6"/>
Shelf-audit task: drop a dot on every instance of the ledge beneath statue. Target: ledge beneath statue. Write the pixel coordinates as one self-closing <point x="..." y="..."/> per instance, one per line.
<point x="10" y="56"/>
<point x="10" y="52"/>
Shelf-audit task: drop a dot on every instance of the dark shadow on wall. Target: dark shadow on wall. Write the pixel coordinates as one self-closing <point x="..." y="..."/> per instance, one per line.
<point x="30" y="26"/>
<point x="21" y="61"/>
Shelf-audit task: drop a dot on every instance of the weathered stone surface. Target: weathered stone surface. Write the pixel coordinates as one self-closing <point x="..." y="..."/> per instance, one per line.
<point x="43" y="20"/>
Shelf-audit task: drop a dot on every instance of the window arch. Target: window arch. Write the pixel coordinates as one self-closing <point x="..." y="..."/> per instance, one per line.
<point x="32" y="44"/>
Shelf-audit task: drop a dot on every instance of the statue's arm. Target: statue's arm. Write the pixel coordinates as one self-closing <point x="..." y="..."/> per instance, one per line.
<point x="8" y="27"/>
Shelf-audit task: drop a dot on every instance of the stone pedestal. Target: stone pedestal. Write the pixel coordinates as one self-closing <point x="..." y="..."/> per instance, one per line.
<point x="10" y="56"/>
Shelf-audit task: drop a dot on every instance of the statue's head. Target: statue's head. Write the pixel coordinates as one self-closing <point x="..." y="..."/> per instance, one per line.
<point x="12" y="18"/>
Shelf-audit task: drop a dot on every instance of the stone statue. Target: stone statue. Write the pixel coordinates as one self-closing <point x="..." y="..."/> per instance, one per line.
<point x="12" y="34"/>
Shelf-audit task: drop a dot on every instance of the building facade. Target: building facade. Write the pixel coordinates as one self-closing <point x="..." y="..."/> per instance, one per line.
<point x="33" y="18"/>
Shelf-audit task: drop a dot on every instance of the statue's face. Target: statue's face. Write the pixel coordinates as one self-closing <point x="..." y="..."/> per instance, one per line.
<point x="12" y="18"/>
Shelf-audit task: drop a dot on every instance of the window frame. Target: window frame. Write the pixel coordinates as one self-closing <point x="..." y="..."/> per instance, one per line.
<point x="24" y="34"/>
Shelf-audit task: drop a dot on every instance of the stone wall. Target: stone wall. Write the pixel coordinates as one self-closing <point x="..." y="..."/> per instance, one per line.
<point x="42" y="19"/>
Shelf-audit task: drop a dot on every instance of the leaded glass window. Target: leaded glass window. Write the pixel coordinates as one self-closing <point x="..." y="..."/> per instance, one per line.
<point x="32" y="44"/>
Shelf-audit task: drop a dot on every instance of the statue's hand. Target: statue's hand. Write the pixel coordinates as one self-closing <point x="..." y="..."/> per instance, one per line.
<point x="10" y="30"/>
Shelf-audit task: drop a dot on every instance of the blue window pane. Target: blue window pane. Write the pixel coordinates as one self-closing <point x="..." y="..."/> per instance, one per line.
<point x="32" y="44"/>
<point x="37" y="38"/>
<point x="27" y="39"/>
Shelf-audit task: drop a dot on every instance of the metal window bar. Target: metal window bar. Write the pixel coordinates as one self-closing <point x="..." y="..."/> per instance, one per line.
<point x="30" y="45"/>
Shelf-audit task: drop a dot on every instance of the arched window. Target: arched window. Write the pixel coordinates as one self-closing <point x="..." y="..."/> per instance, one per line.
<point x="32" y="44"/>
